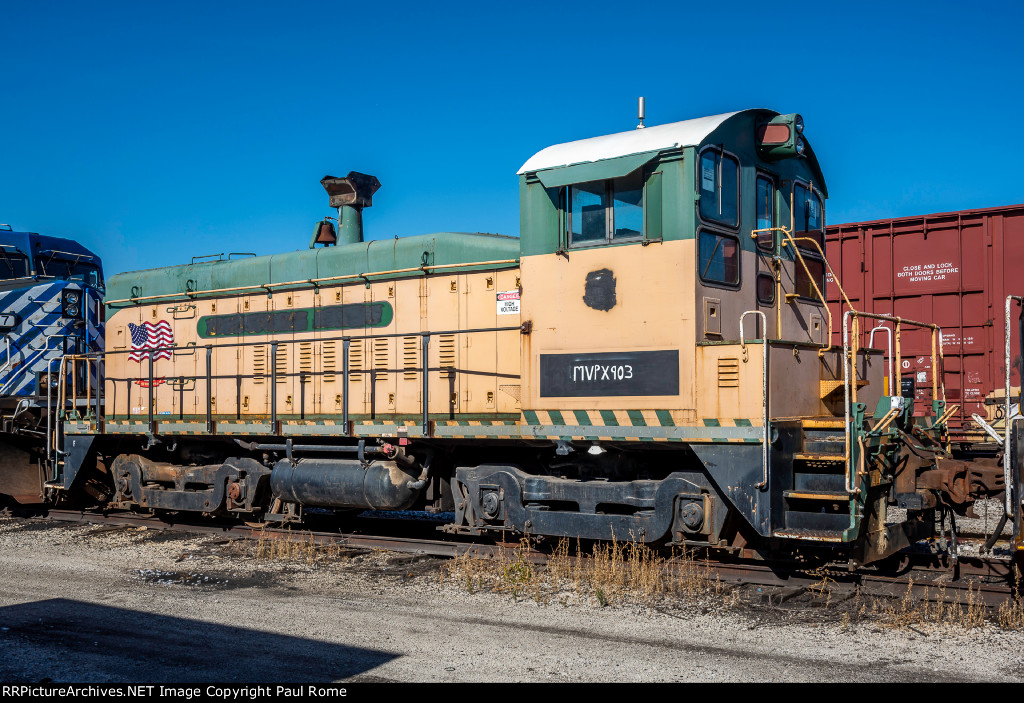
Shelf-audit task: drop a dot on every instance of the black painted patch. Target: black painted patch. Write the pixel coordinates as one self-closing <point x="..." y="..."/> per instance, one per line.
<point x="600" y="291"/>
<point x="609" y="374"/>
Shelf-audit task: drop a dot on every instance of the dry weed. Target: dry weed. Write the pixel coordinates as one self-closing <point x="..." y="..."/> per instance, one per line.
<point x="613" y="572"/>
<point x="943" y="608"/>
<point x="295" y="549"/>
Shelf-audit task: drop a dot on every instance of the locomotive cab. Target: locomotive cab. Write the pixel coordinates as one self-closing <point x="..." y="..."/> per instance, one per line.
<point x="674" y="281"/>
<point x="646" y="248"/>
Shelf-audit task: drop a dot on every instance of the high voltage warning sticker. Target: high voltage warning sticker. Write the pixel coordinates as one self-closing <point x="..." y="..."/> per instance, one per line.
<point x="508" y="302"/>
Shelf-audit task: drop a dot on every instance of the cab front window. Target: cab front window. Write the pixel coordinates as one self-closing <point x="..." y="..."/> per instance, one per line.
<point x="808" y="229"/>
<point x="765" y="213"/>
<point x="808" y="217"/>
<point x="69" y="269"/>
<point x="12" y="266"/>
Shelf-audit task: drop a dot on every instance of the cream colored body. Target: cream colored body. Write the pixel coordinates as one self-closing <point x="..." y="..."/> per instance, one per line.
<point x="436" y="303"/>
<point x="656" y="292"/>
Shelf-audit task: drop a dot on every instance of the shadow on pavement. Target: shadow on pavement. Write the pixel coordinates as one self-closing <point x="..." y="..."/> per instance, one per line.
<point x="68" y="640"/>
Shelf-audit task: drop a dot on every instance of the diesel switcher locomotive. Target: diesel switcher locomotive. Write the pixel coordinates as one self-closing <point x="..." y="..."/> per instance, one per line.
<point x="651" y="359"/>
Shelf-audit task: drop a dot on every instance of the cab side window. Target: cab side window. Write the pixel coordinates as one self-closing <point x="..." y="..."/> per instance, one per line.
<point x="587" y="212"/>
<point x="718" y="179"/>
<point x="604" y="212"/>
<point x="719" y="258"/>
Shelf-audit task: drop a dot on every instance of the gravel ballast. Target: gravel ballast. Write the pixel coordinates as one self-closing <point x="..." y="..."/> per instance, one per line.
<point x="88" y="603"/>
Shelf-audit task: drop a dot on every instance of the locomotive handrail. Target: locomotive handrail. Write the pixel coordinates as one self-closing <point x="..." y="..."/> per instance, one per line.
<point x="891" y="378"/>
<point x="835" y="278"/>
<point x="7" y="349"/>
<point x="273" y="374"/>
<point x="1008" y="455"/>
<point x="53" y="441"/>
<point x="796" y="250"/>
<point x="28" y="363"/>
<point x="311" y="281"/>
<point x="850" y="359"/>
<point x="765" y="440"/>
<point x="341" y="338"/>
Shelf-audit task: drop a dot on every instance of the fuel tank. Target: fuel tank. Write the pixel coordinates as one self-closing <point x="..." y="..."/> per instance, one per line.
<point x="344" y="483"/>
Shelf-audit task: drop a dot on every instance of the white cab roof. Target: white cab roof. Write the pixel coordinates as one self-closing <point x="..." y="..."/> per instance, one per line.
<point x="637" y="141"/>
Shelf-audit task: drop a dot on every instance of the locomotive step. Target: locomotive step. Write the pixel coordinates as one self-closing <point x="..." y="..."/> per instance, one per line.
<point x="823" y="423"/>
<point x="823" y="524"/>
<point x="813" y="535"/>
<point x="819" y="440"/>
<point x="810" y="456"/>
<point x="817" y="495"/>
<point x="819" y="483"/>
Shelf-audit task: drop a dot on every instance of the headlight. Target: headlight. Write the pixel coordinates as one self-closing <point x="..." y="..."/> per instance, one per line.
<point x="799" y="124"/>
<point x="71" y="304"/>
<point x="800" y="146"/>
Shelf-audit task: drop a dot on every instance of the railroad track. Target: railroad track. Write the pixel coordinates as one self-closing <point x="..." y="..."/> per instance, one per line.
<point x="927" y="573"/>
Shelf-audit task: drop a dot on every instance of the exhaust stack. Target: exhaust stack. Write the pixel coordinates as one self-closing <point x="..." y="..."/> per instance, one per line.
<point x="350" y="195"/>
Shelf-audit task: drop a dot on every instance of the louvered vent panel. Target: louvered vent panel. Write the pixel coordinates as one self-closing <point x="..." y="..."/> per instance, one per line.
<point x="728" y="373"/>
<point x="306" y="357"/>
<point x="329" y="358"/>
<point x="259" y="363"/>
<point x="282" y="363"/>
<point x="411" y="357"/>
<point x="381" y="358"/>
<point x="355" y="361"/>
<point x="446" y="345"/>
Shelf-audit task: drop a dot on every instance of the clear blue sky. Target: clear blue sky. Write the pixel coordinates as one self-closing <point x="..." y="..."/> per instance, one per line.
<point x="153" y="132"/>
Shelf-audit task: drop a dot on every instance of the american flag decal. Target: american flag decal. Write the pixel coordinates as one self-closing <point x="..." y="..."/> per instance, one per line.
<point x="150" y="336"/>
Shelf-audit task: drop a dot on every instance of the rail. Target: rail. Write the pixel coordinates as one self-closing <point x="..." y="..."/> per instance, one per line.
<point x="850" y="385"/>
<point x="766" y="438"/>
<point x="274" y="374"/>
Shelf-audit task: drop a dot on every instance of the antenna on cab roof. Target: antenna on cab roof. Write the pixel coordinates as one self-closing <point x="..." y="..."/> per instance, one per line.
<point x="640" y="112"/>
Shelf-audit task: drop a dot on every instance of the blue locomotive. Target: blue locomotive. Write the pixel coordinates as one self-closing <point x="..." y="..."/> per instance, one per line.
<point x="51" y="292"/>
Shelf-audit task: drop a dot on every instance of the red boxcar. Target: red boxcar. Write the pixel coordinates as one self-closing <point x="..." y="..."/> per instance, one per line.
<point x="954" y="269"/>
